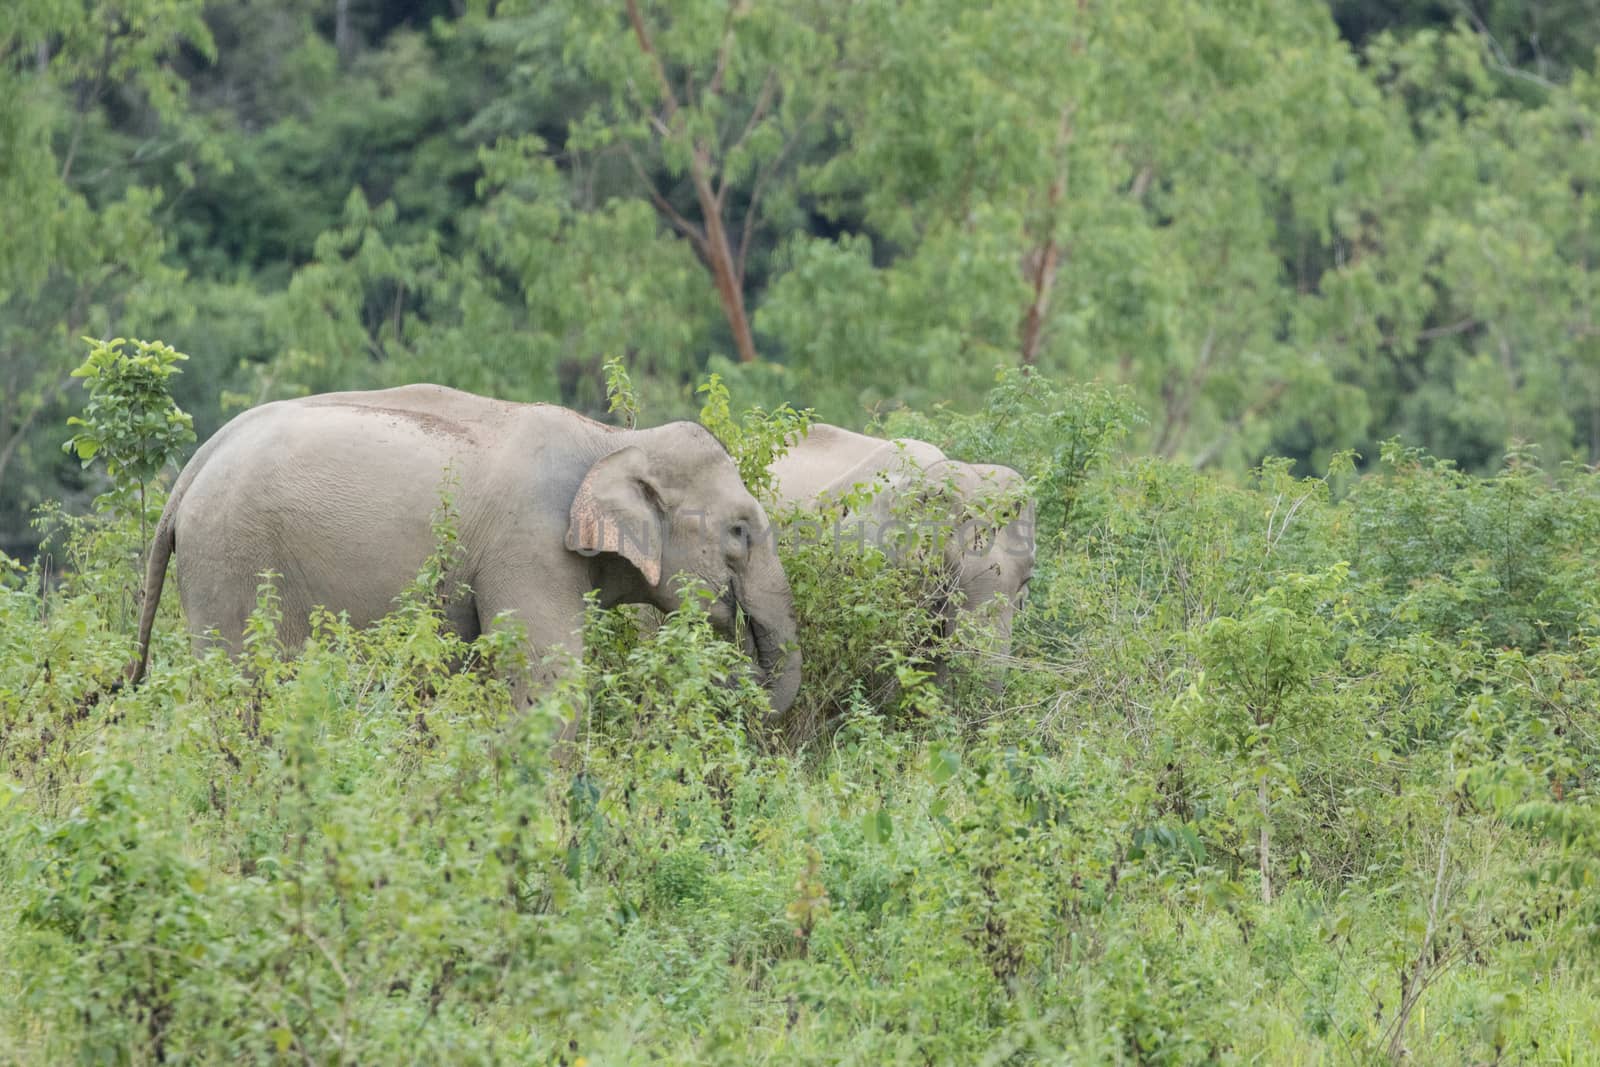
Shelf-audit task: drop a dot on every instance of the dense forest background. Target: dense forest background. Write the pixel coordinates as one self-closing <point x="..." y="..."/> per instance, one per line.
<point x="1287" y="228"/>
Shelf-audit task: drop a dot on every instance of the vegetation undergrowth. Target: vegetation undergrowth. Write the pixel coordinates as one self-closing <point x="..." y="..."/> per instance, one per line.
<point x="1299" y="770"/>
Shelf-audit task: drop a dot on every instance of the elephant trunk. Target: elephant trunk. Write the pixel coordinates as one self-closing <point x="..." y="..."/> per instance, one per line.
<point x="778" y="659"/>
<point x="768" y="607"/>
<point x="996" y="680"/>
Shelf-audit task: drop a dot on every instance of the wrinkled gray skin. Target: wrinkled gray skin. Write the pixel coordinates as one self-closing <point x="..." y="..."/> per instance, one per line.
<point x="987" y="568"/>
<point x="336" y="493"/>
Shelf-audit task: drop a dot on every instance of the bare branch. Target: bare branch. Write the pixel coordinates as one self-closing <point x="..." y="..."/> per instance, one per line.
<point x="1141" y="183"/>
<point x="681" y="224"/>
<point x="46" y="398"/>
<point x="86" y="98"/>
<point x="769" y="89"/>
<point x="1498" y="60"/>
<point x="1434" y="333"/>
<point x="714" y="87"/>
<point x="759" y="185"/>
<point x="1415" y="981"/>
<point x="642" y="34"/>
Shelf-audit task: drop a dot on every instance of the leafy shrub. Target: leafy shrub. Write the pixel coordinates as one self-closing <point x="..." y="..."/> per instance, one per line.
<point x="130" y="422"/>
<point x="1505" y="557"/>
<point x="365" y="851"/>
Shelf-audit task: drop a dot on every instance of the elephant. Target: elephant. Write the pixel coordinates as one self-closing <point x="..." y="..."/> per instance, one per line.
<point x="984" y="515"/>
<point x="335" y="493"/>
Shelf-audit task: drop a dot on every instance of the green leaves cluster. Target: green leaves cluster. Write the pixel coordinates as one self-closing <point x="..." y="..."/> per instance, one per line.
<point x="757" y="439"/>
<point x="130" y="421"/>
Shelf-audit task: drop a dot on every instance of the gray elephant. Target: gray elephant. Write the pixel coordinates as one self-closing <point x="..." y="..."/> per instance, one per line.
<point x="983" y="518"/>
<point x="335" y="493"/>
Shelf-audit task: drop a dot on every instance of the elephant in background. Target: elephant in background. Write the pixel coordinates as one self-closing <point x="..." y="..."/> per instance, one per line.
<point x="985" y="518"/>
<point x="335" y="493"/>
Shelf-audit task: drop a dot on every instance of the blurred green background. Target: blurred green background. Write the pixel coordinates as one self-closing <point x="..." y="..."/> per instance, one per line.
<point x="1289" y="228"/>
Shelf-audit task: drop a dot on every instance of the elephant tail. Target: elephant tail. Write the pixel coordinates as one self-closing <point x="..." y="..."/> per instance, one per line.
<point x="163" y="544"/>
<point x="161" y="547"/>
<point x="155" y="576"/>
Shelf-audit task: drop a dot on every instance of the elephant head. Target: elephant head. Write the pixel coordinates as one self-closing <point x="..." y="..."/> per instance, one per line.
<point x="670" y="502"/>
<point x="991" y="554"/>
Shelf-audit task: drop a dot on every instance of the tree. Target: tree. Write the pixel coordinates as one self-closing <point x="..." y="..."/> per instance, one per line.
<point x="83" y="249"/>
<point x="130" y="422"/>
<point x="721" y="94"/>
<point x="1543" y="40"/>
<point x="1462" y="294"/>
<point x="1098" y="195"/>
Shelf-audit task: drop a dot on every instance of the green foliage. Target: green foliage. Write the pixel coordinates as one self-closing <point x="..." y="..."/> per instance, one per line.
<point x="621" y="400"/>
<point x="757" y="439"/>
<point x="868" y="628"/>
<point x="93" y="126"/>
<point x="1264" y="664"/>
<point x="115" y="894"/>
<point x="130" y="421"/>
<point x="1268" y="238"/>
<point x="1265" y="660"/>
<point x="707" y="102"/>
<point x="1502" y="558"/>
<point x="1054" y="435"/>
<point x="363" y="851"/>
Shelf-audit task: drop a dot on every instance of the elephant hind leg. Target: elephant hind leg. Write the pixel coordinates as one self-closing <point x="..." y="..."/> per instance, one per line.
<point x="216" y="616"/>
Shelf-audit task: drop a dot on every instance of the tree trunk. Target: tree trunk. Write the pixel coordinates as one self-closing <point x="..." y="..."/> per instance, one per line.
<point x="343" y="40"/>
<point x="719" y="257"/>
<point x="731" y="294"/>
<point x="1264" y="847"/>
<point x="1041" y="263"/>
<point x="1044" y="279"/>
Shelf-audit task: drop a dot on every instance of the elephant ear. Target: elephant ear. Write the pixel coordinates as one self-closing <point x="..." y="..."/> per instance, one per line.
<point x="977" y="496"/>
<point x="618" y="510"/>
<point x="1006" y="497"/>
<point x="941" y="496"/>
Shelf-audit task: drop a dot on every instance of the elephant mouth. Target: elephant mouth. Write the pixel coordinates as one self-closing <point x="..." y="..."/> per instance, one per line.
<point x="743" y="630"/>
<point x="751" y="637"/>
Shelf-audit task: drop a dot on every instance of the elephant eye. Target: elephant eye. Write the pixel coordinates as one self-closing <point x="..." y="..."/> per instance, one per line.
<point x="739" y="537"/>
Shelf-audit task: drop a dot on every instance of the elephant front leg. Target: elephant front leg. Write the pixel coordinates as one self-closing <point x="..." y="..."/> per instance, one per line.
<point x="551" y="665"/>
<point x="552" y="655"/>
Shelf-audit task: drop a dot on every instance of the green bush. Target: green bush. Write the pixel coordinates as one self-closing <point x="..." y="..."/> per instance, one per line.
<point x="364" y="852"/>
